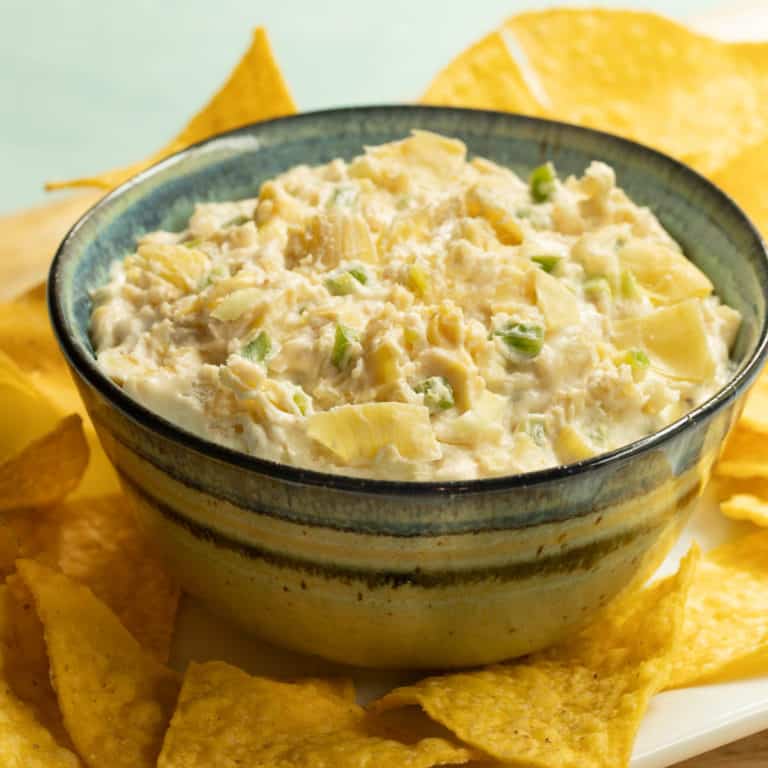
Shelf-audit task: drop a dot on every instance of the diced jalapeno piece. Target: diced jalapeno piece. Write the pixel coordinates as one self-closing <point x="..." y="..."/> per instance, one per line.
<point x="542" y="182"/>
<point x="258" y="349"/>
<point x="524" y="338"/>
<point x="629" y="286"/>
<point x="418" y="279"/>
<point x="359" y="274"/>
<point x="342" y="284"/>
<point x="438" y="393"/>
<point x="535" y="426"/>
<point x="637" y="359"/>
<point x="344" y="337"/>
<point x="547" y="263"/>
<point x="238" y="221"/>
<point x="597" y="288"/>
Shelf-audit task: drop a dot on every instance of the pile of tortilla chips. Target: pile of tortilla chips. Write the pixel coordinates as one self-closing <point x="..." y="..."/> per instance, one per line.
<point x="87" y="612"/>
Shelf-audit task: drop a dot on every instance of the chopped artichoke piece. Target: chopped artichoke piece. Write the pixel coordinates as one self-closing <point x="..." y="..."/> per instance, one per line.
<point x="535" y="425"/>
<point x="234" y="305"/>
<point x="482" y="201"/>
<point x="664" y="272"/>
<point x="571" y="445"/>
<point x="482" y="424"/>
<point x="558" y="305"/>
<point x="180" y="265"/>
<point x="542" y="183"/>
<point x="437" y="392"/>
<point x="358" y="432"/>
<point x="674" y="339"/>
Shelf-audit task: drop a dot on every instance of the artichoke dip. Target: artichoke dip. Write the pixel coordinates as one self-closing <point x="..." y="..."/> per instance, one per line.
<point x="415" y="315"/>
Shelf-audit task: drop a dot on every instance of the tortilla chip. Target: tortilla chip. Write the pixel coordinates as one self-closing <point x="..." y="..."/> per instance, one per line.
<point x="648" y="78"/>
<point x="97" y="543"/>
<point x="115" y="699"/>
<point x="755" y="413"/>
<point x="26" y="659"/>
<point x="484" y="76"/>
<point x="47" y="470"/>
<point x="25" y="414"/>
<point x="576" y="705"/>
<point x="225" y="716"/>
<point x="725" y="634"/>
<point x="24" y="741"/>
<point x="744" y="506"/>
<point x="255" y="91"/>
<point x="27" y="339"/>
<point x="745" y="455"/>
<point x="30" y="238"/>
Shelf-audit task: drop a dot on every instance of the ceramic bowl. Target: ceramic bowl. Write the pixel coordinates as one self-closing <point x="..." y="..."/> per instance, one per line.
<point x="404" y="574"/>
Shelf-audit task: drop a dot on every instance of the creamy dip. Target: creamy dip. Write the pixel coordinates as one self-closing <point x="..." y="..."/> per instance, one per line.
<point x="414" y="315"/>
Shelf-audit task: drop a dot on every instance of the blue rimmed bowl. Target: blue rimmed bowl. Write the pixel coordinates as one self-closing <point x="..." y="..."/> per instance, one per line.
<point x="389" y="574"/>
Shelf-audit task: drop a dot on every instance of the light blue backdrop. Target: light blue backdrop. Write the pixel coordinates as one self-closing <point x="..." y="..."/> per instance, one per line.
<point x="88" y="84"/>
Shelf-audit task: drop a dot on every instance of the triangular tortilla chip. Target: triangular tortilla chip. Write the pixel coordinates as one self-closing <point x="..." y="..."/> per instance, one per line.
<point x="225" y="716"/>
<point x="648" y="78"/>
<point x="115" y="699"/>
<point x="47" y="470"/>
<point x="575" y="706"/>
<point x="97" y="543"/>
<point x="484" y="76"/>
<point x="24" y="740"/>
<point x="255" y="91"/>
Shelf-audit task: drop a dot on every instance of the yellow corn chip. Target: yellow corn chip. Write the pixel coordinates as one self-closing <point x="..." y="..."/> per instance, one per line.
<point x="97" y="543"/>
<point x="744" y="506"/>
<point x="47" y="470"/>
<point x="485" y="76"/>
<point x="648" y="78"/>
<point x="25" y="414"/>
<point x="115" y="699"/>
<point x="27" y="339"/>
<point x="226" y="717"/>
<point x="745" y="454"/>
<point x="24" y="741"/>
<point x="576" y="706"/>
<point x="26" y="660"/>
<point x="255" y="91"/>
<point x="30" y="239"/>
<point x="725" y="633"/>
<point x="755" y="413"/>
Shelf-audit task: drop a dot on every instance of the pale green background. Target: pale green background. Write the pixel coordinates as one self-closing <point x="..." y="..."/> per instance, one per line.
<point x="88" y="84"/>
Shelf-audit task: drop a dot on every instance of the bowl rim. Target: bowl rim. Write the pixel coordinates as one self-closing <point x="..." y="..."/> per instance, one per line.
<point x="85" y="365"/>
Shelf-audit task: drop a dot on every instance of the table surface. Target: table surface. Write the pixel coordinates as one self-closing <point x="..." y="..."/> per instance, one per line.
<point x="158" y="40"/>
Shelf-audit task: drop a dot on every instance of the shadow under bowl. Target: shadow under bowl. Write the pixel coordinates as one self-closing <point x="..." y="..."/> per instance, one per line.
<point x="388" y="574"/>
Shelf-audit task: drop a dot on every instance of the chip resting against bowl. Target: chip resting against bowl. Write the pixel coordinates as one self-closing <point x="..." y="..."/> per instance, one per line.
<point x="413" y="314"/>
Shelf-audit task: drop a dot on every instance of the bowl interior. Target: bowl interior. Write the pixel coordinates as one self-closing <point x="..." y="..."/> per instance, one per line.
<point x="712" y="230"/>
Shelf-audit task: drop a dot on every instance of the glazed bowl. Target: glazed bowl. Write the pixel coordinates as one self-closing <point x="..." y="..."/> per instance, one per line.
<point x="407" y="574"/>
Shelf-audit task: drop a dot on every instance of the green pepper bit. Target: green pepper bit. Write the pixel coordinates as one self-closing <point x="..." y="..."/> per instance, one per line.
<point x="637" y="359"/>
<point x="542" y="183"/>
<point x="301" y="400"/>
<point x="359" y="274"/>
<point x="342" y="284"/>
<point x="344" y="337"/>
<point x="547" y="263"/>
<point x="524" y="338"/>
<point x="438" y="393"/>
<point x="629" y="286"/>
<point x="258" y="349"/>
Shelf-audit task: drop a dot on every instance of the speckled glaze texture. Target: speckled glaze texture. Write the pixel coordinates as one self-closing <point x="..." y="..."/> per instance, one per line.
<point x="407" y="574"/>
